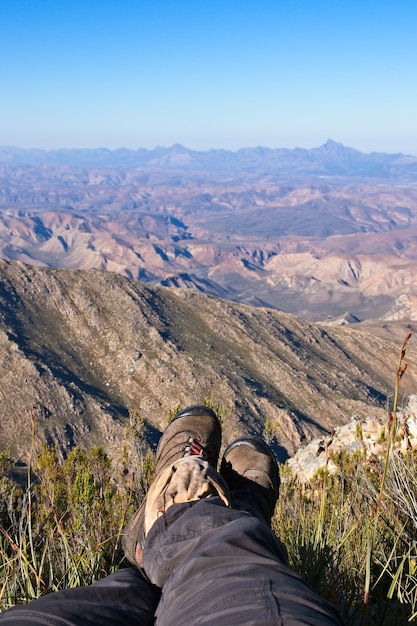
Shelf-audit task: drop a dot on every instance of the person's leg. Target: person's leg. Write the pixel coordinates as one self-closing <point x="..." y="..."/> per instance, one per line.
<point x="220" y="567"/>
<point x="217" y="565"/>
<point x="125" y="598"/>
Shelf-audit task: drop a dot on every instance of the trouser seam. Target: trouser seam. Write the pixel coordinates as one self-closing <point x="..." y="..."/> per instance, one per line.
<point x="17" y="616"/>
<point x="264" y="588"/>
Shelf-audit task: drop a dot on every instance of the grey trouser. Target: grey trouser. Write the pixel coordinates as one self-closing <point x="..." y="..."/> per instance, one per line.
<point x="124" y="598"/>
<point x="216" y="566"/>
<point x="220" y="567"/>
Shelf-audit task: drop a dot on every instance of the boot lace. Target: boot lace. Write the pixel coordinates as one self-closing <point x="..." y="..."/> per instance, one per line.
<point x="195" y="447"/>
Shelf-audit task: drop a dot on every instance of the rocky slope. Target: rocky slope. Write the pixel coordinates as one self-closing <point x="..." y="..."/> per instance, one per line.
<point x="82" y="349"/>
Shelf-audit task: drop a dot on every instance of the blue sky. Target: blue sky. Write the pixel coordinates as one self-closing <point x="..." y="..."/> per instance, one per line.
<point x="208" y="74"/>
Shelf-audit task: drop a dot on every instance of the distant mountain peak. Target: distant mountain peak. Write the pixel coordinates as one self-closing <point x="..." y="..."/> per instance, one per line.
<point x="178" y="147"/>
<point x="330" y="143"/>
<point x="336" y="148"/>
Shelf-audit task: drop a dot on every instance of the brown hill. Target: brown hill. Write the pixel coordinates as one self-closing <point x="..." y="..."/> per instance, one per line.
<point x="80" y="349"/>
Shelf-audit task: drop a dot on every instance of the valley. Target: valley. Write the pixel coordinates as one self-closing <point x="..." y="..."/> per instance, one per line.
<point x="258" y="231"/>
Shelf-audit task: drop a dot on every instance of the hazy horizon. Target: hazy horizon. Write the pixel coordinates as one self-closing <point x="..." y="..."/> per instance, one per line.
<point x="208" y="75"/>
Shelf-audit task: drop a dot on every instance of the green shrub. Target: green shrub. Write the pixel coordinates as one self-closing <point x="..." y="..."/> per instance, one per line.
<point x="64" y="529"/>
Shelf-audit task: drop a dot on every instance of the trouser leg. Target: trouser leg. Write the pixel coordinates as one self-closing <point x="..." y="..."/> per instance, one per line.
<point x="125" y="598"/>
<point x="218" y="566"/>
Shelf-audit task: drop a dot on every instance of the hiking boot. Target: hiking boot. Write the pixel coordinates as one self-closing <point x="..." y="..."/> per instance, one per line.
<point x="195" y="431"/>
<point x="251" y="472"/>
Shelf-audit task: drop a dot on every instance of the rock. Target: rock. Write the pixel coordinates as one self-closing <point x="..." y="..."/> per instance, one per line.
<point x="368" y="435"/>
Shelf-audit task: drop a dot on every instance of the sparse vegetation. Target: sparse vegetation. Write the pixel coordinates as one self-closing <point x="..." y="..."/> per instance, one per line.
<point x="217" y="407"/>
<point x="63" y="528"/>
<point x="352" y="534"/>
<point x="269" y="430"/>
<point x="172" y="412"/>
<point x="83" y="360"/>
<point x="339" y="545"/>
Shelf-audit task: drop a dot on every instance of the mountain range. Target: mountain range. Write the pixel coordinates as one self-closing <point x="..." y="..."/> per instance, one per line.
<point x="330" y="159"/>
<point x="328" y="234"/>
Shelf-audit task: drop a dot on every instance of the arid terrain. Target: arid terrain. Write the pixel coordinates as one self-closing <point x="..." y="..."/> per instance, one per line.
<point x="328" y="234"/>
<point x="136" y="281"/>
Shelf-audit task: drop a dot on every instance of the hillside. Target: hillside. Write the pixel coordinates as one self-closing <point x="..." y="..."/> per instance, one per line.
<point x="80" y="349"/>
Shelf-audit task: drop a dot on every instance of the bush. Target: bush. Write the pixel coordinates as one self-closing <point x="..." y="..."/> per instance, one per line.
<point x="352" y="535"/>
<point x="64" y="528"/>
